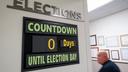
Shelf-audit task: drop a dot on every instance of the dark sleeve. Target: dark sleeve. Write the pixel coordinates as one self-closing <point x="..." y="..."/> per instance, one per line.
<point x="109" y="69"/>
<point x="106" y="69"/>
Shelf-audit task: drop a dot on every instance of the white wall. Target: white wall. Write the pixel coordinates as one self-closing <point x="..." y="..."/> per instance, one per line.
<point x="113" y="25"/>
<point x="11" y="22"/>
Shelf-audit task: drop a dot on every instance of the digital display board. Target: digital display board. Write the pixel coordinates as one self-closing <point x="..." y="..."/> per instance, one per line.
<point x="48" y="44"/>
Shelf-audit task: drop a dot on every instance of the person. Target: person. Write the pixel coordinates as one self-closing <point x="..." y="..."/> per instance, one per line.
<point x="107" y="65"/>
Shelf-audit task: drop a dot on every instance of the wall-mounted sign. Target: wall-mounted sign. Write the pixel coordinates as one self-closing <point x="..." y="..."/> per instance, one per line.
<point x="46" y="9"/>
<point x="48" y="44"/>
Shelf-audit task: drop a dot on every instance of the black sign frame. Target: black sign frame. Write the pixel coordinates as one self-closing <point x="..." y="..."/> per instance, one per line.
<point x="63" y="51"/>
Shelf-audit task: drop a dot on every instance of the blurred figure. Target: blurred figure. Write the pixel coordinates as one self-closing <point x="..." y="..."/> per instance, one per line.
<point x="107" y="65"/>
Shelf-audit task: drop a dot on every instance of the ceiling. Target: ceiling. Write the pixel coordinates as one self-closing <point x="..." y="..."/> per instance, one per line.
<point x="108" y="9"/>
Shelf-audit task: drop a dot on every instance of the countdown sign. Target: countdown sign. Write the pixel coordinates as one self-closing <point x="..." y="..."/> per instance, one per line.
<point x="48" y="44"/>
